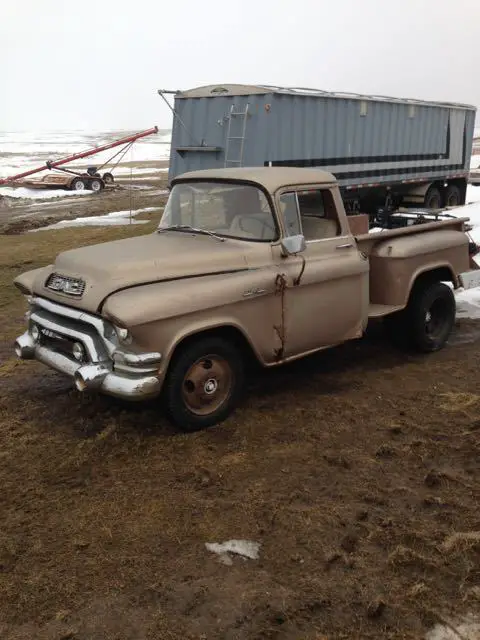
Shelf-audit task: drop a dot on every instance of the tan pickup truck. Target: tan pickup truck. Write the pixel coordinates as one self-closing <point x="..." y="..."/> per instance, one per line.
<point x="245" y="262"/>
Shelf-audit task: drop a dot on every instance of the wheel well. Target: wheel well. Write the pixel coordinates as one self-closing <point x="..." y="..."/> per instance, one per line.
<point x="440" y="274"/>
<point x="229" y="333"/>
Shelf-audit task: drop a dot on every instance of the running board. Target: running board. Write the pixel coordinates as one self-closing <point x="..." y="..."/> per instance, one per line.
<point x="380" y="310"/>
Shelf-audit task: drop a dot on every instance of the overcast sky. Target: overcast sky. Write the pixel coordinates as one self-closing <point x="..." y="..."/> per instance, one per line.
<point x="97" y="65"/>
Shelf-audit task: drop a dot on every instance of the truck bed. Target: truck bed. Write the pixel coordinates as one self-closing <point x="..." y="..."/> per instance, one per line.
<point x="398" y="256"/>
<point x="367" y="241"/>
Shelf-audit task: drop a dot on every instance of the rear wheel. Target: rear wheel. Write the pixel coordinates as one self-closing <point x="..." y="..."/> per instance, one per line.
<point x="453" y="196"/>
<point x="427" y="322"/>
<point x="204" y="383"/>
<point x="77" y="184"/>
<point x="431" y="316"/>
<point x="433" y="198"/>
<point x="95" y="185"/>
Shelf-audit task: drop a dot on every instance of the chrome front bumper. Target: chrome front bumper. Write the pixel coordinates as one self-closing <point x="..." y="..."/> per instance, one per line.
<point x="107" y="367"/>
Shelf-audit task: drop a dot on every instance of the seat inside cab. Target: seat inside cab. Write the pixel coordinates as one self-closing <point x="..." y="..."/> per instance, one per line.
<point x="310" y="212"/>
<point x="318" y="214"/>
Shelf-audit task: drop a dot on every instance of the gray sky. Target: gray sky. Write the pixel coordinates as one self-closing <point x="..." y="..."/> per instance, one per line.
<point x="98" y="65"/>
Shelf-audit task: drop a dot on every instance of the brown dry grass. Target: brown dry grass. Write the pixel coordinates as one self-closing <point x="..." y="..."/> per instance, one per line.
<point x="357" y="470"/>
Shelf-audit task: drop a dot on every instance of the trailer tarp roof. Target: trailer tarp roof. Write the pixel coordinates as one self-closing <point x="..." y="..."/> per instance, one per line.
<point x="212" y="91"/>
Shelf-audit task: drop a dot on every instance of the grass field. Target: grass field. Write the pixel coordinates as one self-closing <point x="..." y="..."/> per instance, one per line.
<point x="357" y="470"/>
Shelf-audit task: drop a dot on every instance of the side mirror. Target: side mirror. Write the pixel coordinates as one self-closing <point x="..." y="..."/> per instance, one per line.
<point x="292" y="245"/>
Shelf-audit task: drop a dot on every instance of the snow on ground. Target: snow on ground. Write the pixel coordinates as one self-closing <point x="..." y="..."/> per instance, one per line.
<point x="467" y="629"/>
<point x="22" y="150"/>
<point x="113" y="219"/>
<point x="40" y="194"/>
<point x="245" y="548"/>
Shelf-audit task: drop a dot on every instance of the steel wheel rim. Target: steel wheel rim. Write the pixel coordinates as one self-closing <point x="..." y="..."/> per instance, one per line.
<point x="95" y="185"/>
<point x="435" y="318"/>
<point x="207" y="385"/>
<point x="79" y="186"/>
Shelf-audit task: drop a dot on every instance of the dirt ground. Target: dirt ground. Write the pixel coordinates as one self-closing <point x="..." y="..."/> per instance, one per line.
<point x="357" y="470"/>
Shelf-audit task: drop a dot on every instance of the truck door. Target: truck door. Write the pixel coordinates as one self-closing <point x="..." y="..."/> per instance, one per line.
<point x="329" y="304"/>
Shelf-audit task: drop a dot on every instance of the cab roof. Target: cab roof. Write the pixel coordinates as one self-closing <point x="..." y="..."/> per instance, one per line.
<point x="270" y="178"/>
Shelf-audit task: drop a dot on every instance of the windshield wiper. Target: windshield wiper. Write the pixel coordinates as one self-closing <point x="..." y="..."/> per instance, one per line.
<point x="187" y="227"/>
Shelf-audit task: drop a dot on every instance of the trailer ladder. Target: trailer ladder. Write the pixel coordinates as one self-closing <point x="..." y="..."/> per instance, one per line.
<point x="238" y="141"/>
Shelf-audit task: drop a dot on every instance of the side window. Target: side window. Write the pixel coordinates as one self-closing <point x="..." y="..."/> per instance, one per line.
<point x="318" y="214"/>
<point x="289" y="211"/>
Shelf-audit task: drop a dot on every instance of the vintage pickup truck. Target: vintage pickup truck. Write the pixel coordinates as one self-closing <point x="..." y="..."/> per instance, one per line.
<point x="258" y="262"/>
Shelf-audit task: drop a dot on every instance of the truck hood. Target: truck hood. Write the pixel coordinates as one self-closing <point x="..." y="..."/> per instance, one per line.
<point x="109" y="267"/>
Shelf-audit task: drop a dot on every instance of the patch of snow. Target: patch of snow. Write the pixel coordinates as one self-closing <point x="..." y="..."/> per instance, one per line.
<point x="21" y="150"/>
<point x="40" y="194"/>
<point x="112" y="219"/>
<point x="245" y="548"/>
<point x="473" y="194"/>
<point x="468" y="303"/>
<point x="466" y="629"/>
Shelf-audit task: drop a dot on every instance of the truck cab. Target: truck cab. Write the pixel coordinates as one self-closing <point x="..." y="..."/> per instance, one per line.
<point x="245" y="263"/>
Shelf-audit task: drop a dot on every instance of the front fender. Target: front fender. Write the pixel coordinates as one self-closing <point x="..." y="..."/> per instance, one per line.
<point x="164" y="313"/>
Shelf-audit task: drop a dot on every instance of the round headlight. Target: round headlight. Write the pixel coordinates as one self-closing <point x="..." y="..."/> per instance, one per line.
<point x="35" y="332"/>
<point x="78" y="351"/>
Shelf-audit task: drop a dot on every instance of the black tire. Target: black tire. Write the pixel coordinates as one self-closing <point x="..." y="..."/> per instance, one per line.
<point x="409" y="329"/>
<point x="430" y="316"/>
<point x="453" y="196"/>
<point x="190" y="382"/>
<point x="433" y="199"/>
<point x="96" y="184"/>
<point x="108" y="178"/>
<point x="77" y="184"/>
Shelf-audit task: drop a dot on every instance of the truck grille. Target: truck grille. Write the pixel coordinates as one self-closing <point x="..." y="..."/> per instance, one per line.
<point x="56" y="342"/>
<point x="65" y="284"/>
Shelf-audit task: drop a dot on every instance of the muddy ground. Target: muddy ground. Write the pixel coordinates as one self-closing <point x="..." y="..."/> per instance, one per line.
<point x="357" y="470"/>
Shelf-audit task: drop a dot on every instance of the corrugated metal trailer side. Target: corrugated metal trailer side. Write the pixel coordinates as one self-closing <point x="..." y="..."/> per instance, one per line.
<point x="363" y="140"/>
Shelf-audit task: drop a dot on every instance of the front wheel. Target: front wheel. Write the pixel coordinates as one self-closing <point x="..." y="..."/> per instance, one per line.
<point x="204" y="383"/>
<point x="108" y="178"/>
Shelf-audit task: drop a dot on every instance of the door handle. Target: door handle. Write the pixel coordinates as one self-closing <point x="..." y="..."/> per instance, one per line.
<point x="347" y="245"/>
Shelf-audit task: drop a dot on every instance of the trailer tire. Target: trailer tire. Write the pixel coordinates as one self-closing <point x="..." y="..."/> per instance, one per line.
<point x="453" y="197"/>
<point x="433" y="199"/>
<point x="430" y="316"/>
<point x="77" y="184"/>
<point x="107" y="178"/>
<point x="204" y="383"/>
<point x="96" y="184"/>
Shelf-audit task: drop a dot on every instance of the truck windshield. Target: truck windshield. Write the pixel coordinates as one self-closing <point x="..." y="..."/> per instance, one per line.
<point x="231" y="210"/>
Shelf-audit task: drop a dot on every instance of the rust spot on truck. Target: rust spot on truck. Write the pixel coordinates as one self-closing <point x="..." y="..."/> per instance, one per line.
<point x="280" y="286"/>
